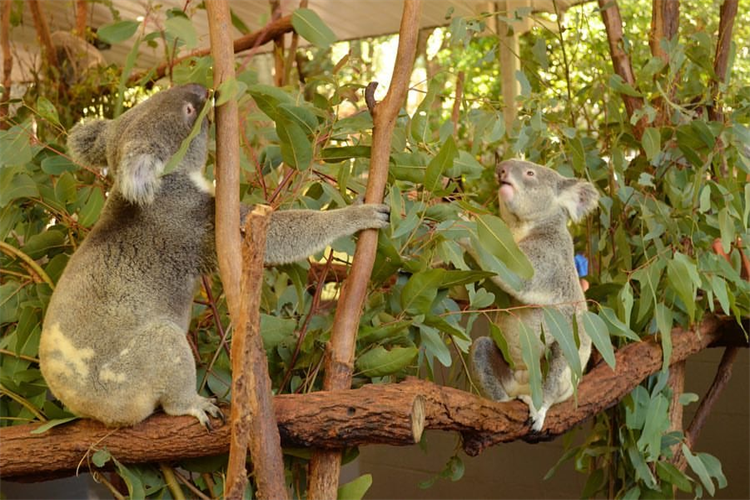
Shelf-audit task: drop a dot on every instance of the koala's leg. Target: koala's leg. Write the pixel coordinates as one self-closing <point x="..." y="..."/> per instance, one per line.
<point x="557" y="387"/>
<point x="489" y="369"/>
<point x="176" y="378"/>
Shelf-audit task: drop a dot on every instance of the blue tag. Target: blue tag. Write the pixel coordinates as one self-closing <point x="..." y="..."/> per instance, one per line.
<point x="582" y="265"/>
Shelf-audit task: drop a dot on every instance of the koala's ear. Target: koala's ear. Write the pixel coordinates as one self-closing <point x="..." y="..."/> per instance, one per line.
<point x="87" y="142"/>
<point x="138" y="174"/>
<point x="578" y="198"/>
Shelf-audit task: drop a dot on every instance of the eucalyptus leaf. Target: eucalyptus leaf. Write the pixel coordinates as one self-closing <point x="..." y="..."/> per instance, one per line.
<point x="356" y="489"/>
<point x="496" y="236"/>
<point x="420" y="291"/>
<point x="439" y="164"/>
<point x="310" y="27"/>
<point x="560" y="327"/>
<point x="529" y="341"/>
<point x="379" y="361"/>
<point x="117" y="32"/>
<point x="597" y="329"/>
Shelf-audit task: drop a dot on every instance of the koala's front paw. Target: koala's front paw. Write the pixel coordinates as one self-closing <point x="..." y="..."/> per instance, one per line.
<point x="137" y="177"/>
<point x="372" y="215"/>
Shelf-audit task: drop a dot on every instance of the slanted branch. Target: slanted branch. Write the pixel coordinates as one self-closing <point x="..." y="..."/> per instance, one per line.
<point x="394" y="414"/>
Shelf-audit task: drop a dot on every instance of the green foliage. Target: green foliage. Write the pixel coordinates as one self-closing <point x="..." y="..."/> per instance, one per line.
<point x="665" y="199"/>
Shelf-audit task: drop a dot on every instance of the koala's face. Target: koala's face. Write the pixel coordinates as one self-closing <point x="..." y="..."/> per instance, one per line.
<point x="160" y="124"/>
<point x="528" y="191"/>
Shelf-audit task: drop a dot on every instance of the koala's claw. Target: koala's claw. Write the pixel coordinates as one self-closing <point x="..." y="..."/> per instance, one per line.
<point x="373" y="215"/>
<point x="536" y="417"/>
<point x="207" y="406"/>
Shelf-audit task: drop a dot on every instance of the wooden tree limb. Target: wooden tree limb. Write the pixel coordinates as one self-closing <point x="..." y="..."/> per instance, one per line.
<point x="7" y="63"/>
<point x="665" y="17"/>
<point x="42" y="32"/>
<point x="721" y="379"/>
<point x="82" y="7"/>
<point x="721" y="61"/>
<point x="325" y="466"/>
<point x="392" y="414"/>
<point x="621" y="59"/>
<point x="261" y="37"/>
<point x="253" y="421"/>
<point x="228" y="236"/>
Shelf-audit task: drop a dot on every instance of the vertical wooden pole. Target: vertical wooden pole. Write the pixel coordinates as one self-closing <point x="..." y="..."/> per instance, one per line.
<point x="7" y="63"/>
<point x="620" y="59"/>
<point x="81" y="14"/>
<point x="325" y="466"/>
<point x="252" y="415"/>
<point x="721" y="61"/>
<point x="227" y="158"/>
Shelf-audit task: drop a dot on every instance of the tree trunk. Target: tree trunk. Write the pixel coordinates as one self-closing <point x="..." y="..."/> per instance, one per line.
<point x="621" y="60"/>
<point x="7" y="63"/>
<point x="325" y="466"/>
<point x="252" y="40"/>
<point x="721" y="61"/>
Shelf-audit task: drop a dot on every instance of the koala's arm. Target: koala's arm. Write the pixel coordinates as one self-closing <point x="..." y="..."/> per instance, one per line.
<point x="295" y="234"/>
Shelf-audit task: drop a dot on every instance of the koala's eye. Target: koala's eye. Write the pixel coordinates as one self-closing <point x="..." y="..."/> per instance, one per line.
<point x="189" y="109"/>
<point x="530" y="173"/>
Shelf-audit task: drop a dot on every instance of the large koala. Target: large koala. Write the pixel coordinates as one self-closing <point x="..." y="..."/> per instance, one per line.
<point x="113" y="345"/>
<point x="536" y="203"/>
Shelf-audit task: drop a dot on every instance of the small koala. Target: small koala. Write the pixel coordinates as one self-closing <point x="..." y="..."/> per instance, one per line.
<point x="113" y="344"/>
<point x="536" y="204"/>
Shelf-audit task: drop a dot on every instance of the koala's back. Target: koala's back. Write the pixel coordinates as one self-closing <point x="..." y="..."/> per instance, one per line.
<point x="133" y="276"/>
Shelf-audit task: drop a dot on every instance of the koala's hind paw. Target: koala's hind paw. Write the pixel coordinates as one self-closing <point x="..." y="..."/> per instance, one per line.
<point x="138" y="177"/>
<point x="203" y="407"/>
<point x="536" y="416"/>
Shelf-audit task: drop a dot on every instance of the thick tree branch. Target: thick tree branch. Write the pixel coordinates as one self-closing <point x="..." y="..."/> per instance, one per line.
<point x="721" y="61"/>
<point x="228" y="247"/>
<point x="82" y="7"/>
<point x="7" y="62"/>
<point x="721" y="379"/>
<point x="261" y="37"/>
<point x="253" y="422"/>
<point x="325" y="466"/>
<point x="42" y="32"/>
<point x="621" y="59"/>
<point x="665" y="17"/>
<point x="392" y="414"/>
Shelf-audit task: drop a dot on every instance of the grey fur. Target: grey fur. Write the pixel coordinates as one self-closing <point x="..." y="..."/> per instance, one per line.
<point x="113" y="345"/>
<point x="536" y="203"/>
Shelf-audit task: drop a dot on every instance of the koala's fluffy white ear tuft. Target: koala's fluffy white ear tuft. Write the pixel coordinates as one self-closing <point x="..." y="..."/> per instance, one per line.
<point x="137" y="177"/>
<point x="578" y="198"/>
<point x="87" y="142"/>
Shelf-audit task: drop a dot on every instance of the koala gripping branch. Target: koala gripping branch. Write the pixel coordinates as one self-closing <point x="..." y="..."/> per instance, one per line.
<point x="393" y="414"/>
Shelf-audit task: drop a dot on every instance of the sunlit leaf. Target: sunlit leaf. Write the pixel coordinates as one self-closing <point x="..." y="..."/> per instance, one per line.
<point x="597" y="329"/>
<point x="117" y="32"/>
<point x="530" y="342"/>
<point x="312" y="28"/>
<point x="379" y="362"/>
<point x="182" y="28"/>
<point x="356" y="489"/>
<point x="420" y="291"/>
<point x="557" y="325"/>
<point x="496" y="235"/>
<point x="439" y="164"/>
